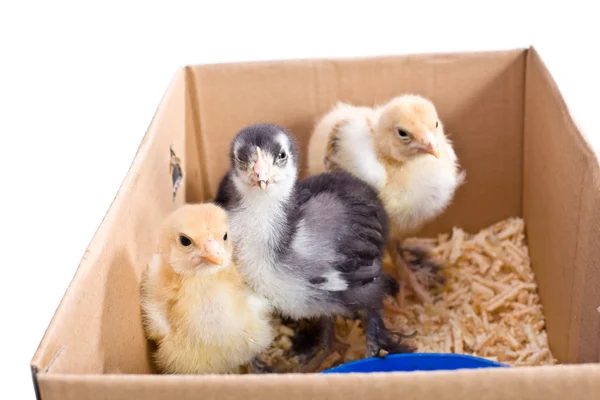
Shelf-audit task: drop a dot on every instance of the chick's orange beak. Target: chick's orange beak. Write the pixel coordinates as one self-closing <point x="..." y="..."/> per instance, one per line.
<point x="432" y="149"/>
<point x="430" y="145"/>
<point x="261" y="169"/>
<point x="212" y="252"/>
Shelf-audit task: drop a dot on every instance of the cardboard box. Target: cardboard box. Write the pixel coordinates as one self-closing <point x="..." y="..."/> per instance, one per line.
<point x="523" y="154"/>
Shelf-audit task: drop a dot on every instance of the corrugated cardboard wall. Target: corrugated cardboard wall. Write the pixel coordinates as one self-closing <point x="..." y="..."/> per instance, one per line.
<point x="479" y="97"/>
<point x="562" y="211"/>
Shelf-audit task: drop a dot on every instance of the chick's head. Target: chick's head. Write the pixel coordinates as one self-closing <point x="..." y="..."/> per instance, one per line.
<point x="409" y="127"/>
<point x="264" y="157"/>
<point x="195" y="239"/>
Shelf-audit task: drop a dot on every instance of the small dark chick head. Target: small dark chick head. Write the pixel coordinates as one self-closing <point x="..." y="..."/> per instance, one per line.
<point x="264" y="157"/>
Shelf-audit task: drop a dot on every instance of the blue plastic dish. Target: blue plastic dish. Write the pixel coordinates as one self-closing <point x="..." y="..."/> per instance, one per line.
<point x="415" y="362"/>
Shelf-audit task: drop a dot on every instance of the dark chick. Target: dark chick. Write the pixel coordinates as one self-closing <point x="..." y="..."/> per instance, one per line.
<point x="312" y="248"/>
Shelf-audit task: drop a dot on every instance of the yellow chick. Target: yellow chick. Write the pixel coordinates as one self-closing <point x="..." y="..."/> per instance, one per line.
<point x="401" y="150"/>
<point x="195" y="304"/>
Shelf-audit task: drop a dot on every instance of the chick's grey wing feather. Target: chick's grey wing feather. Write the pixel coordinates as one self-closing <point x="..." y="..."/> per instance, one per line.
<point x="342" y="229"/>
<point x="226" y="193"/>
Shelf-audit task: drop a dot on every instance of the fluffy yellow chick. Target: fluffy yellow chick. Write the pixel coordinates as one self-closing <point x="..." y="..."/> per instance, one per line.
<point x="195" y="304"/>
<point x="401" y="150"/>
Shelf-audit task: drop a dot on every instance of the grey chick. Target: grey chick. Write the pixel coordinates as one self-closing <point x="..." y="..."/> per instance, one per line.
<point x="312" y="248"/>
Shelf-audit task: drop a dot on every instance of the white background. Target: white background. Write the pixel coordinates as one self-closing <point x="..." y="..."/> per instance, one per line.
<point x="79" y="84"/>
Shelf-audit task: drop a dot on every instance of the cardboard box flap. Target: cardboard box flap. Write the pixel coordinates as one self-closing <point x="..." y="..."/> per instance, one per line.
<point x="544" y="383"/>
<point x="97" y="327"/>
<point x="479" y="97"/>
<point x="562" y="211"/>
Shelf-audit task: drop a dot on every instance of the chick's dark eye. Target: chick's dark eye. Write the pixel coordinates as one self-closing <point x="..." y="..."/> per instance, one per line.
<point x="225" y="236"/>
<point x="436" y="123"/>
<point x="402" y="133"/>
<point x="282" y="155"/>
<point x="184" y="240"/>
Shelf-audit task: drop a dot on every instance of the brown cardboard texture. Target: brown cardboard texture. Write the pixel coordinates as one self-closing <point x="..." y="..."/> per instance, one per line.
<point x="523" y="155"/>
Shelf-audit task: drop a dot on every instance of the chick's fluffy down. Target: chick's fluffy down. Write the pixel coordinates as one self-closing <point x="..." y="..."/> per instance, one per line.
<point x="414" y="184"/>
<point x="217" y="326"/>
<point x="204" y="319"/>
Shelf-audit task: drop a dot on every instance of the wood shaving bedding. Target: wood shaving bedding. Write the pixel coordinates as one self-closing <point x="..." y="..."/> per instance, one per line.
<point x="488" y="307"/>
